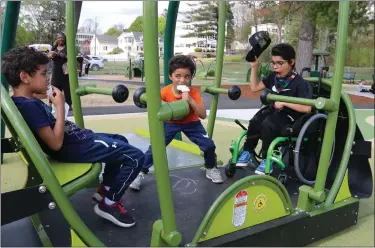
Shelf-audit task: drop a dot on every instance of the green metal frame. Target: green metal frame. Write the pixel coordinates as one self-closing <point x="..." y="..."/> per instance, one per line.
<point x="165" y="231"/>
<point x="331" y="105"/>
<point x="8" y="37"/>
<point x="240" y="184"/>
<point x="41" y="163"/>
<point x="219" y="66"/>
<point x="72" y="63"/>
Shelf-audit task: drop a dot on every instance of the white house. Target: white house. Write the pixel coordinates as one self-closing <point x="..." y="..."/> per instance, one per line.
<point x="186" y="45"/>
<point x="102" y="44"/>
<point x="270" y="27"/>
<point x="132" y="43"/>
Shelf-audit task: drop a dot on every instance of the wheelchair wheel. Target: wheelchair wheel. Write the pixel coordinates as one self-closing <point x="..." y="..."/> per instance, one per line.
<point x="313" y="153"/>
<point x="230" y="169"/>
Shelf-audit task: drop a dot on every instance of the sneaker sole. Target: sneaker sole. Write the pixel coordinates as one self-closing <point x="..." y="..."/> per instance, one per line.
<point x="134" y="188"/>
<point x="221" y="181"/>
<point x="109" y="217"/>
<point x="241" y="165"/>
<point x="261" y="172"/>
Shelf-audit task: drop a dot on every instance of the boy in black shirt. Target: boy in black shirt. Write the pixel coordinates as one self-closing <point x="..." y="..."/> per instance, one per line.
<point x="272" y="122"/>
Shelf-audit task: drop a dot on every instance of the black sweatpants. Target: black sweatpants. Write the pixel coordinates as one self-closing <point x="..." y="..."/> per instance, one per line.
<point x="267" y="124"/>
<point x="123" y="161"/>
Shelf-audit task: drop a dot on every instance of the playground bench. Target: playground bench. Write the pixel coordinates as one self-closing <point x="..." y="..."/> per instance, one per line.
<point x="347" y="75"/>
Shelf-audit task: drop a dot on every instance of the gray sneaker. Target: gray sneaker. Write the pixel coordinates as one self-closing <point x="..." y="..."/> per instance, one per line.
<point x="214" y="175"/>
<point x="136" y="184"/>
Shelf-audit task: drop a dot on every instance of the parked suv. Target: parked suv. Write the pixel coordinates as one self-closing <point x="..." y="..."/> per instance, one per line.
<point x="96" y="63"/>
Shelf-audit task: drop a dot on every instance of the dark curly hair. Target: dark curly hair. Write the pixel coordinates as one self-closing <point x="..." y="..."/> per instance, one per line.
<point x="181" y="61"/>
<point x="21" y="59"/>
<point x="285" y="51"/>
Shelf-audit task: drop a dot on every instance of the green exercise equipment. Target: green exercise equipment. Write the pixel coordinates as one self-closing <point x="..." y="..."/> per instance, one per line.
<point x="180" y="207"/>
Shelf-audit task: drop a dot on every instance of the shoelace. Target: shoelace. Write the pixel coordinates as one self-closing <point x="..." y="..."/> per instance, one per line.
<point x="122" y="209"/>
<point x="215" y="171"/>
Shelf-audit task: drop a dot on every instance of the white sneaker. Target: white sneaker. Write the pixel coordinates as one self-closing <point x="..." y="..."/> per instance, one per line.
<point x="136" y="184"/>
<point x="214" y="175"/>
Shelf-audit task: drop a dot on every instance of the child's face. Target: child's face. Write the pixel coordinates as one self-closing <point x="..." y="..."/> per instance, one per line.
<point x="280" y="66"/>
<point x="180" y="76"/>
<point x="38" y="83"/>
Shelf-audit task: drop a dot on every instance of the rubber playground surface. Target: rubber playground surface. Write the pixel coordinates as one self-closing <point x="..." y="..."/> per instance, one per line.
<point x="225" y="130"/>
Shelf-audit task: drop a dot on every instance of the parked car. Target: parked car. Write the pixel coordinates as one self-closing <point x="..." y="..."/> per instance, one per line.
<point x="96" y="62"/>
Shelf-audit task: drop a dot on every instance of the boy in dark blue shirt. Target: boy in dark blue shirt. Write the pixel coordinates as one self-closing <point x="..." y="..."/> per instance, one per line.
<point x="25" y="70"/>
<point x="269" y="123"/>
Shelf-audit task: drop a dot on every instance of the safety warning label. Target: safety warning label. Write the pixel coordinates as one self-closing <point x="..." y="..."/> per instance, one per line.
<point x="240" y="208"/>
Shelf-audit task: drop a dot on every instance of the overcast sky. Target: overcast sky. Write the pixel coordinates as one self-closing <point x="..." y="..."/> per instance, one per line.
<point x="110" y="13"/>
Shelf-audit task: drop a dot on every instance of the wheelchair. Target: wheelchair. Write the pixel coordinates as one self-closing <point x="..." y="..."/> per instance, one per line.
<point x="295" y="154"/>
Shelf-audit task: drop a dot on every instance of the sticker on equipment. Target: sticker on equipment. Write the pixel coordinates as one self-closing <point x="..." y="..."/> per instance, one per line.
<point x="240" y="208"/>
<point x="260" y="203"/>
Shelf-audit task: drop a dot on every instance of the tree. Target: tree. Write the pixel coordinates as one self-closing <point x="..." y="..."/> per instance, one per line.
<point x="165" y="12"/>
<point x="44" y="18"/>
<point x="204" y="17"/>
<point x="113" y="31"/>
<point x="116" y="50"/>
<point x="137" y="25"/>
<point x="325" y="14"/>
<point x="161" y="25"/>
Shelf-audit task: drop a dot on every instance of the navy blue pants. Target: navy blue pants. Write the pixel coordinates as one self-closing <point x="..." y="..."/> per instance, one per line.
<point x="123" y="162"/>
<point x="196" y="133"/>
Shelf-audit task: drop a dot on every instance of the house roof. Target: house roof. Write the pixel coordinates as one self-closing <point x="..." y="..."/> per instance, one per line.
<point x="138" y="36"/>
<point x="107" y="39"/>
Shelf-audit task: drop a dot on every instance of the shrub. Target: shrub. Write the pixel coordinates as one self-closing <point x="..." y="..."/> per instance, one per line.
<point x="211" y="73"/>
<point x="198" y="50"/>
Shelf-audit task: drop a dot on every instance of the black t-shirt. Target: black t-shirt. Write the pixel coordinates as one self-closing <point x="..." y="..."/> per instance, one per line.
<point x="298" y="87"/>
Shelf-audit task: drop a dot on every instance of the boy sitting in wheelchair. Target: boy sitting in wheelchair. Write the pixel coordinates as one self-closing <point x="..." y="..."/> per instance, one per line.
<point x="272" y="121"/>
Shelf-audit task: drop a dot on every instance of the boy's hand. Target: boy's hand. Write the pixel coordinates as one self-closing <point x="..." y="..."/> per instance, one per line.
<point x="279" y="105"/>
<point x="186" y="96"/>
<point x="255" y="63"/>
<point x="57" y="97"/>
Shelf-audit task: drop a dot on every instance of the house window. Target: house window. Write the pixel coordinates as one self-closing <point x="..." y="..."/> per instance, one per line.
<point x="105" y="48"/>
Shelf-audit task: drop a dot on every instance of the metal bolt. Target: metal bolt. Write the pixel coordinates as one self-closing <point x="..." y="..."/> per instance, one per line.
<point x="51" y="205"/>
<point x="353" y="142"/>
<point x="351" y="152"/>
<point x="42" y="189"/>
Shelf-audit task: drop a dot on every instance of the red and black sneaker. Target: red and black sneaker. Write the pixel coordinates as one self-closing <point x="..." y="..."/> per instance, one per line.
<point x="114" y="213"/>
<point x="99" y="195"/>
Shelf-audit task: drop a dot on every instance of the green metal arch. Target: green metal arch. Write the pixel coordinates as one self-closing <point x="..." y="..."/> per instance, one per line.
<point x="256" y="180"/>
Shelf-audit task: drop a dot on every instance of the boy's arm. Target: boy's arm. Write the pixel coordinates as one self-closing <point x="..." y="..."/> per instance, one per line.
<point x="54" y="138"/>
<point x="196" y="103"/>
<point x="255" y="84"/>
<point x="304" y="90"/>
<point x="298" y="107"/>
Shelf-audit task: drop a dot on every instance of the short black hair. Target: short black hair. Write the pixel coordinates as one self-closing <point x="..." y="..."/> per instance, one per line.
<point x="181" y="61"/>
<point x="20" y="59"/>
<point x="285" y="51"/>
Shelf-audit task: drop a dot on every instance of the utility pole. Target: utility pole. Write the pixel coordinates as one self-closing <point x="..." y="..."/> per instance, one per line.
<point x="96" y="26"/>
